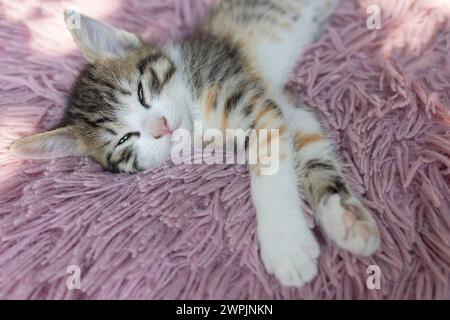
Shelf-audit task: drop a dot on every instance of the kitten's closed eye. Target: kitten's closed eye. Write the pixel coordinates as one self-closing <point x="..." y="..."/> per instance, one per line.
<point x="128" y="136"/>
<point x="141" y="96"/>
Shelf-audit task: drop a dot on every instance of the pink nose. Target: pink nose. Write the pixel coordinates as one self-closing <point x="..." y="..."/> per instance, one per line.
<point x="160" y="128"/>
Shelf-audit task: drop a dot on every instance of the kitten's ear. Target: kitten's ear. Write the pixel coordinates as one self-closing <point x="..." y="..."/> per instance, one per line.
<point x="56" y="143"/>
<point x="99" y="40"/>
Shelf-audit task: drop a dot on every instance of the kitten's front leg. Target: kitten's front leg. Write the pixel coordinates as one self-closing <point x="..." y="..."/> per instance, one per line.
<point x="288" y="248"/>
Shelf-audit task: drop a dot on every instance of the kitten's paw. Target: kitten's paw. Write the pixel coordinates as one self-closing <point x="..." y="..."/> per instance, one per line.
<point x="291" y="255"/>
<point x="350" y="225"/>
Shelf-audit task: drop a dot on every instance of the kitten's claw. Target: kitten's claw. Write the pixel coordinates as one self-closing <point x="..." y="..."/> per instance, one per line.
<point x="291" y="255"/>
<point x="350" y="225"/>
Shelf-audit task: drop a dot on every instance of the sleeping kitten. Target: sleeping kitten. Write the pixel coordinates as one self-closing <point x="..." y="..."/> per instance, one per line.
<point x="131" y="97"/>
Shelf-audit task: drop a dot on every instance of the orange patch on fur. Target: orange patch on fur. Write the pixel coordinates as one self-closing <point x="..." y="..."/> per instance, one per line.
<point x="302" y="140"/>
<point x="210" y="101"/>
<point x="224" y="121"/>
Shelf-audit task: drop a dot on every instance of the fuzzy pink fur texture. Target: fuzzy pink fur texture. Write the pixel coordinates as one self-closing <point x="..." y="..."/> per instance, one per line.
<point x="189" y="231"/>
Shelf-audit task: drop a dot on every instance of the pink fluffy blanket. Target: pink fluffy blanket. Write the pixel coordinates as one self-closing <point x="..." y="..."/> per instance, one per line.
<point x="189" y="231"/>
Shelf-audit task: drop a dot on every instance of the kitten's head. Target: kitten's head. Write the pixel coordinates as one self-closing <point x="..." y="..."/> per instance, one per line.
<point x="123" y="107"/>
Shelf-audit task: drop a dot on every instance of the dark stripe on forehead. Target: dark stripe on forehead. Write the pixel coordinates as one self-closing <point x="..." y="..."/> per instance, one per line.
<point x="155" y="84"/>
<point x="82" y="117"/>
<point x="89" y="73"/>
<point x="96" y="124"/>
<point x="159" y="77"/>
<point x="148" y="60"/>
<point x="111" y="131"/>
<point x="169" y="74"/>
<point x="100" y="124"/>
<point x="104" y="119"/>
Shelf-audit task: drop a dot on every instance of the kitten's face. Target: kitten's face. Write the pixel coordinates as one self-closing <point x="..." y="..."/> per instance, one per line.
<point x="123" y="108"/>
<point x="126" y="109"/>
